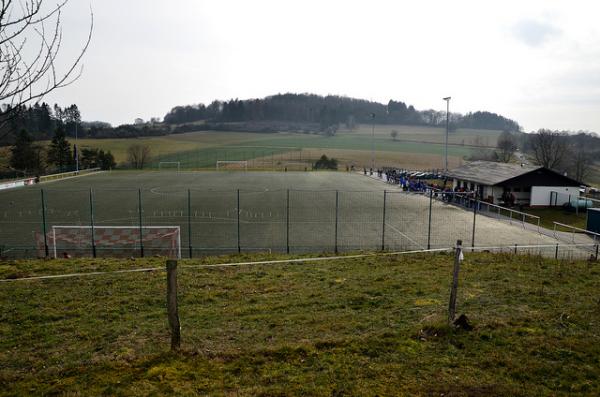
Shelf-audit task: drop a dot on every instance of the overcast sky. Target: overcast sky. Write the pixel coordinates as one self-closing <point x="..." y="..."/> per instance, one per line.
<point x="537" y="62"/>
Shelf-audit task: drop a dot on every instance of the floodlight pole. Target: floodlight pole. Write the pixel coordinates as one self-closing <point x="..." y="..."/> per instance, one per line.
<point x="447" y="99"/>
<point x="372" y="141"/>
<point x="76" y="151"/>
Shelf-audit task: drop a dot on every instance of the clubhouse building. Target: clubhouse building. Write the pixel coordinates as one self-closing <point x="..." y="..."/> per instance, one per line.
<point x="528" y="185"/>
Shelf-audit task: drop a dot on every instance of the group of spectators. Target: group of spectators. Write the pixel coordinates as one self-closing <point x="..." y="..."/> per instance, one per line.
<point x="403" y="179"/>
<point x="458" y="195"/>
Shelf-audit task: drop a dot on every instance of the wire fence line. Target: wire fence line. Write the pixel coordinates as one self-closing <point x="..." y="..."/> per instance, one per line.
<point x="235" y="221"/>
<point x="558" y="251"/>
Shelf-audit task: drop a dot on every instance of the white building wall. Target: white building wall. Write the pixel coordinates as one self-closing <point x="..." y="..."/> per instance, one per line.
<point x="540" y="195"/>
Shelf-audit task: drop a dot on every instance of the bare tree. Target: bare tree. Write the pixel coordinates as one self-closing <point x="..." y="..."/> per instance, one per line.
<point x="549" y="148"/>
<point x="581" y="162"/>
<point x="507" y="144"/>
<point x="138" y="155"/>
<point x="30" y="43"/>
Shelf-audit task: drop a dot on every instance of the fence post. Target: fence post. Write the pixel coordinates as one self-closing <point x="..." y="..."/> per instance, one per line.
<point x="140" y="218"/>
<point x="336" y="220"/>
<point x="44" y="224"/>
<point x="454" y="288"/>
<point x="383" y="223"/>
<point x="172" y="311"/>
<point x="474" y="218"/>
<point x="190" y="222"/>
<point x="287" y="221"/>
<point x="92" y="223"/>
<point x="556" y="252"/>
<point x="596" y="251"/>
<point x="429" y="227"/>
<point x="239" y="247"/>
<point x="515" y="249"/>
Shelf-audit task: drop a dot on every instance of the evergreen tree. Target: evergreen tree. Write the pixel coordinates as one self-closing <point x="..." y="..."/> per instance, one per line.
<point x="93" y="157"/>
<point x="325" y="163"/>
<point x="59" y="153"/>
<point x="106" y="160"/>
<point x="25" y="156"/>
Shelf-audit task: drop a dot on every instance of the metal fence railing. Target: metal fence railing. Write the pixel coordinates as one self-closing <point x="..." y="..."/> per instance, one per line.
<point x="510" y="214"/>
<point x="575" y="235"/>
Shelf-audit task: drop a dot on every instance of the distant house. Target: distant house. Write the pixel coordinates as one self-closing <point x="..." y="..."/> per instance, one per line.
<point x="530" y="185"/>
<point x="138" y="121"/>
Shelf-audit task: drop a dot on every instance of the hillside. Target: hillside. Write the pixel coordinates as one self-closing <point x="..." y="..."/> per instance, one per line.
<point x="370" y="326"/>
<point x="414" y="147"/>
<point x="276" y="113"/>
<point x="323" y="112"/>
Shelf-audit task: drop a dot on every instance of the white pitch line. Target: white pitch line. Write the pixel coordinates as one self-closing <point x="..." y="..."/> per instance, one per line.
<point x="398" y="231"/>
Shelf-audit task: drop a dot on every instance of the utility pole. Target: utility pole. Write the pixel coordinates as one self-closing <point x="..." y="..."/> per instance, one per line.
<point x="447" y="99"/>
<point x="372" y="141"/>
<point x="76" y="151"/>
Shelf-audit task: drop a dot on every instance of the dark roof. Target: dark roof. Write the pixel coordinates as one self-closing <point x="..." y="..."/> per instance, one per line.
<point x="489" y="172"/>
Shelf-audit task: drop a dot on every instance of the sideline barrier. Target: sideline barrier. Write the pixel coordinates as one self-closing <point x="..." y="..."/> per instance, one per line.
<point x="19" y="183"/>
<point x="62" y="175"/>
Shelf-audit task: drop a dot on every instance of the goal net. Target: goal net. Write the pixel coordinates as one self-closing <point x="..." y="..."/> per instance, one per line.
<point x="111" y="241"/>
<point x="232" y="165"/>
<point x="169" y="165"/>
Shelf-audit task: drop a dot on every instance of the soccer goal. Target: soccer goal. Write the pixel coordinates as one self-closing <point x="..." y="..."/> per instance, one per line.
<point x="113" y="241"/>
<point x="232" y="165"/>
<point x="169" y="165"/>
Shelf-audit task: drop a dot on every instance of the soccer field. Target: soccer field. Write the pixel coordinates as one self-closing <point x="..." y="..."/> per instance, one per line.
<point x="224" y="212"/>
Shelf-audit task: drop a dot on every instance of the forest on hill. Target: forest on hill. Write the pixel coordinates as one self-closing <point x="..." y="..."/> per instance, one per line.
<point x="283" y="112"/>
<point x="331" y="110"/>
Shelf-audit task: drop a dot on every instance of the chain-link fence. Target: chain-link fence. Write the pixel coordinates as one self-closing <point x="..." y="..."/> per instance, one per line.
<point x="194" y="222"/>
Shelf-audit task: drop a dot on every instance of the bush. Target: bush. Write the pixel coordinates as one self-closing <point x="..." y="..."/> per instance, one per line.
<point x="325" y="163"/>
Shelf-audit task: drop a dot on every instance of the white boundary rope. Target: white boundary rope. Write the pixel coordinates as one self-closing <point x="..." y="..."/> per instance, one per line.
<point x="272" y="262"/>
<point x="282" y="261"/>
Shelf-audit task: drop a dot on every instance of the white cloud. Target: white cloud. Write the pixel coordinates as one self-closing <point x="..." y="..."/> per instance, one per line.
<point x="534" y="33"/>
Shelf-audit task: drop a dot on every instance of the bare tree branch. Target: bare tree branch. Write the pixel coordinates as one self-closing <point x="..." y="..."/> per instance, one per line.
<point x="30" y="44"/>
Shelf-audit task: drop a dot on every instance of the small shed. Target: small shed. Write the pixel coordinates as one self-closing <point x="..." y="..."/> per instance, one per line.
<point x="529" y="185"/>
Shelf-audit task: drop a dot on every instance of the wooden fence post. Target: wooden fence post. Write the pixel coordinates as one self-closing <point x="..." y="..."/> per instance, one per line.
<point x="453" y="291"/>
<point x="172" y="305"/>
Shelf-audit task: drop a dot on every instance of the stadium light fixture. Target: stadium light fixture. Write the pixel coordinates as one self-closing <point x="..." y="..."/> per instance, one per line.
<point x="447" y="99"/>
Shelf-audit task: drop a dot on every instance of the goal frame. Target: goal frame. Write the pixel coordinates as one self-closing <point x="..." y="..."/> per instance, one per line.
<point x="93" y="228"/>
<point x="160" y="168"/>
<point x="244" y="162"/>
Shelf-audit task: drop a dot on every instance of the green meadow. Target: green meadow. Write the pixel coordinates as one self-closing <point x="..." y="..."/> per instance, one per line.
<point x="366" y="326"/>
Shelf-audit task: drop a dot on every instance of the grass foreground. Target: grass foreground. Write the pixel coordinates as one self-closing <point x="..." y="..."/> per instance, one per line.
<point x="367" y="326"/>
<point x="550" y="215"/>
